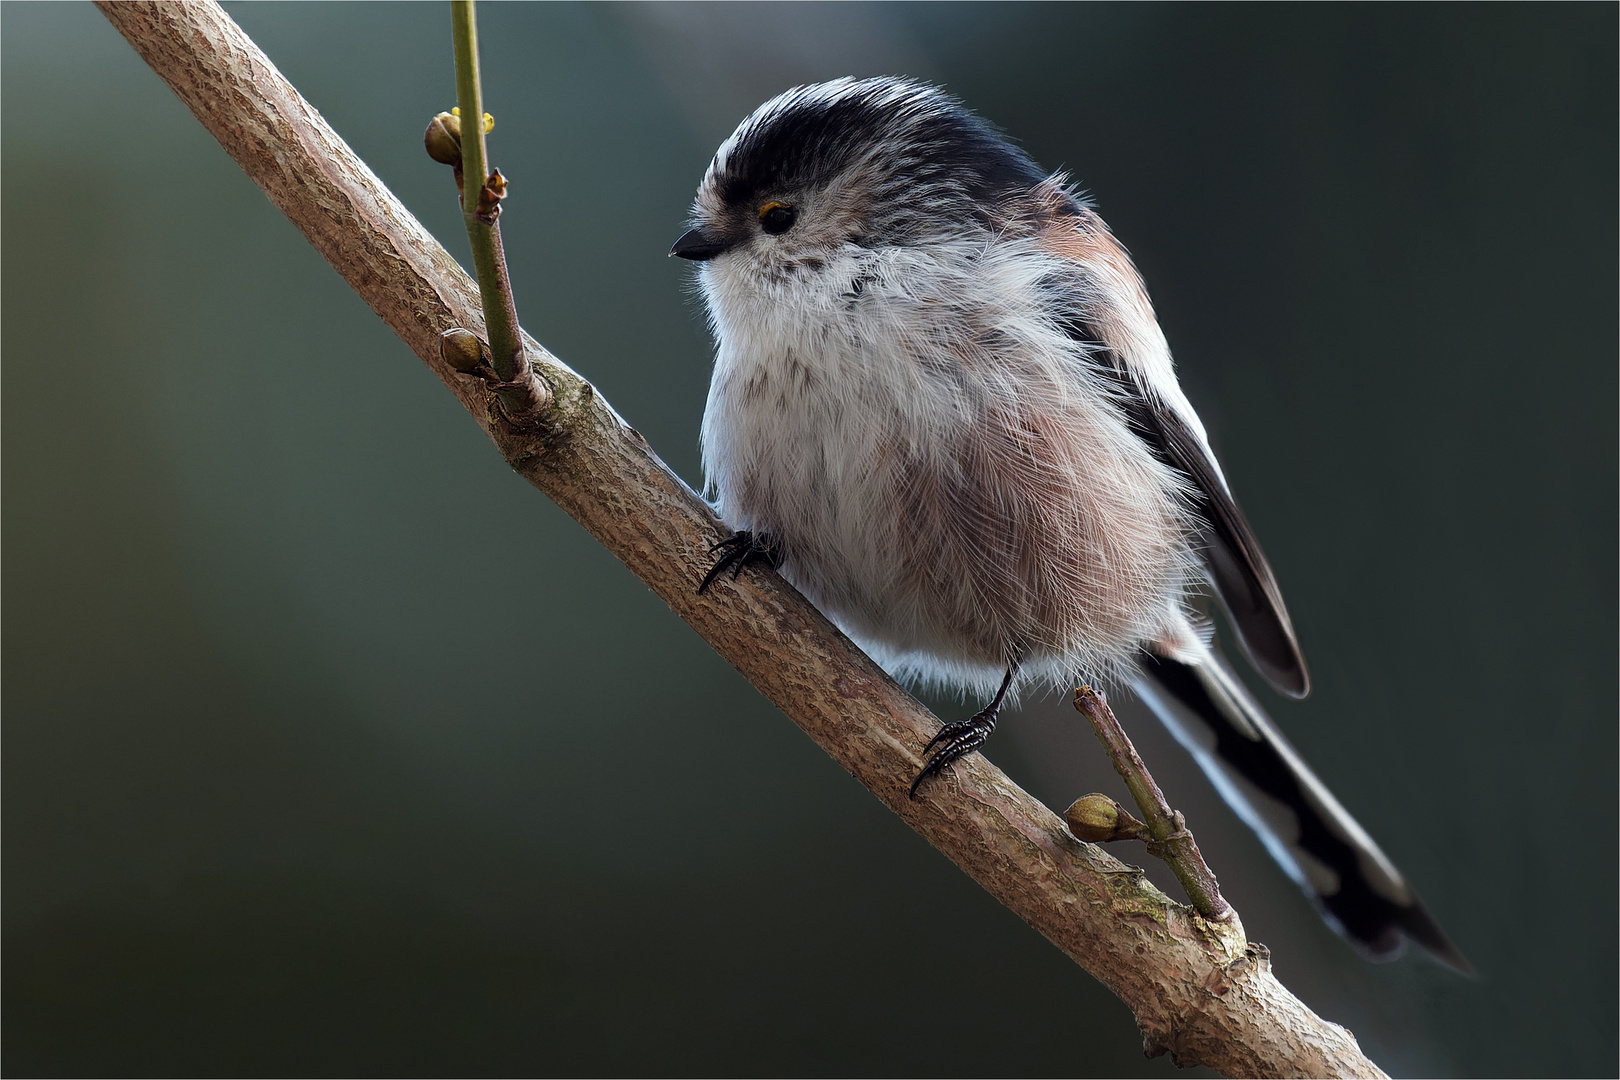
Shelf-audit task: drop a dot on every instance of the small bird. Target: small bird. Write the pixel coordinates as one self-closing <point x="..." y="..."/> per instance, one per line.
<point x="943" y="408"/>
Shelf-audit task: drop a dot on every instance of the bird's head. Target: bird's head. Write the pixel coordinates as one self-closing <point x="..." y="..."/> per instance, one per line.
<point x="849" y="165"/>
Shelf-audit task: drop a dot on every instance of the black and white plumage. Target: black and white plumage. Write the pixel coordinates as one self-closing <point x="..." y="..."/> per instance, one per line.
<point x="943" y="405"/>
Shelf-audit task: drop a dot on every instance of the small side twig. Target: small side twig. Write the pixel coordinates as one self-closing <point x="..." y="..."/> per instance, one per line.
<point x="1167" y="835"/>
<point x="522" y="396"/>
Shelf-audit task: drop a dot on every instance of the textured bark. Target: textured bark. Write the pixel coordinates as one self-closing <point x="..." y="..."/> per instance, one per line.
<point x="1199" y="990"/>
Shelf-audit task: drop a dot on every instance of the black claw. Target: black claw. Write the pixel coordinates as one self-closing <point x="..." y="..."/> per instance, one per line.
<point x="933" y="766"/>
<point x="962" y="737"/>
<point x="736" y="552"/>
<point x="950" y="731"/>
<point x="956" y="740"/>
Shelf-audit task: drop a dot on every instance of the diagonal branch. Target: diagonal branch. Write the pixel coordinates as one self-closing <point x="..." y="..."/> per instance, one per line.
<point x="1198" y="989"/>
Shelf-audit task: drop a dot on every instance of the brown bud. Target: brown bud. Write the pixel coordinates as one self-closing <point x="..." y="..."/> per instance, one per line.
<point x="489" y="198"/>
<point x="462" y="350"/>
<point x="1100" y="820"/>
<point x="443" y="139"/>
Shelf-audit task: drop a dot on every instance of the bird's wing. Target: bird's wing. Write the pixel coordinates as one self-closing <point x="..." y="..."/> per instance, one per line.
<point x="1106" y="307"/>
<point x="1101" y="302"/>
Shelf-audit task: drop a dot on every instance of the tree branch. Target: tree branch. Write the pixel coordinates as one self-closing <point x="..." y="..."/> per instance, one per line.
<point x="1198" y="989"/>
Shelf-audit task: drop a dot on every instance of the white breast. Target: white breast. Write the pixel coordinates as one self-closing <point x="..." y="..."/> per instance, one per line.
<point x="946" y="479"/>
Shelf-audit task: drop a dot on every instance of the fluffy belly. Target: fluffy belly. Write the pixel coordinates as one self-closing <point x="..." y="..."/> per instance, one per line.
<point x="1045" y="536"/>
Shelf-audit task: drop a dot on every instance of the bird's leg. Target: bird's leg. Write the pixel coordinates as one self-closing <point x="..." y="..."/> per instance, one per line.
<point x="962" y="737"/>
<point x="737" y="551"/>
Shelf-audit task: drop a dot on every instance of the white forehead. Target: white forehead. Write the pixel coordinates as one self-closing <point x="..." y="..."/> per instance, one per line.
<point x="881" y="92"/>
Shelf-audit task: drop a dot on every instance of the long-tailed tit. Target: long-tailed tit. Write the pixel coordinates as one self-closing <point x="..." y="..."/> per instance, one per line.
<point x="943" y="407"/>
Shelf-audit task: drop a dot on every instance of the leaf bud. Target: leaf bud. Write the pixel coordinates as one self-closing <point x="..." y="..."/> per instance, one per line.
<point x="443" y="139"/>
<point x="462" y="350"/>
<point x="1098" y="819"/>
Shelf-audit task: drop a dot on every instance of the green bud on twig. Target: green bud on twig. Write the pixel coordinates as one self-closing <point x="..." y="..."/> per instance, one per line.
<point x="443" y="139"/>
<point x="1098" y="819"/>
<point x="462" y="350"/>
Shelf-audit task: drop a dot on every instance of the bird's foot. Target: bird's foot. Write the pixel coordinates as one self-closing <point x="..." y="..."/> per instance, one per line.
<point x="956" y="740"/>
<point x="738" y="550"/>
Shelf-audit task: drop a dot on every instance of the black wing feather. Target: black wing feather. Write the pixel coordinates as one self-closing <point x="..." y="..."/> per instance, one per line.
<point x="1209" y="710"/>
<point x="1237" y="567"/>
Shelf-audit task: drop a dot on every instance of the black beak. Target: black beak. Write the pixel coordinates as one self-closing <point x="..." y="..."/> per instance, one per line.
<point x="694" y="244"/>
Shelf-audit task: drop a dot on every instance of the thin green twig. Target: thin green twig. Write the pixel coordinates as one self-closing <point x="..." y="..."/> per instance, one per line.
<point x="480" y="195"/>
<point x="469" y="101"/>
<point x="1169" y="838"/>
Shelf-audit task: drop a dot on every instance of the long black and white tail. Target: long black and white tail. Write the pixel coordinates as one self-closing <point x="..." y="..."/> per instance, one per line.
<point x="1315" y="840"/>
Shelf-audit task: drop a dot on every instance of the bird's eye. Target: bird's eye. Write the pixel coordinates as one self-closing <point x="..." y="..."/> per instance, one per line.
<point x="777" y="218"/>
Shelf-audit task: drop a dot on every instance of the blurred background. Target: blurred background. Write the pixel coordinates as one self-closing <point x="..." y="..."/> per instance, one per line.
<point x="288" y="789"/>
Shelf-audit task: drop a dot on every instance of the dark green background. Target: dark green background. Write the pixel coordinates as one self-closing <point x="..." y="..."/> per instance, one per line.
<point x="331" y="747"/>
